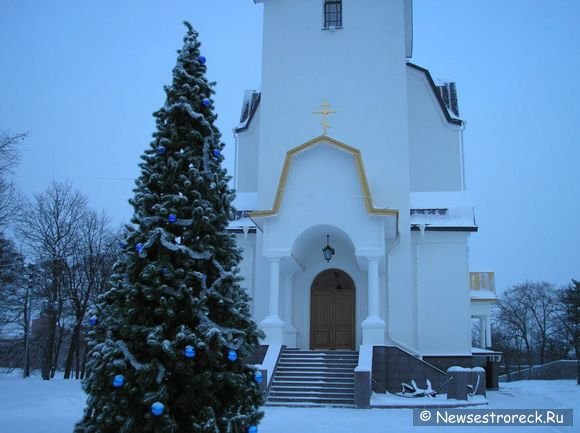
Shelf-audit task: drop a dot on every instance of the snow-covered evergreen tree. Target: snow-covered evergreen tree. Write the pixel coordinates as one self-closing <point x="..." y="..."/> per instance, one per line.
<point x="170" y="336"/>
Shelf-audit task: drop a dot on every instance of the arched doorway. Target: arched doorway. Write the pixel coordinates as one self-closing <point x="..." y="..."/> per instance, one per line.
<point x="332" y="311"/>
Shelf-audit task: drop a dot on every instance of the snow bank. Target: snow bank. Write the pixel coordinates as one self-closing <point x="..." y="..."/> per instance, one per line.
<point x="36" y="406"/>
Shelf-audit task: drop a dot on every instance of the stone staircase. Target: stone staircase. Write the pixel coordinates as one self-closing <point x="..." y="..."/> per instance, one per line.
<point x="314" y="378"/>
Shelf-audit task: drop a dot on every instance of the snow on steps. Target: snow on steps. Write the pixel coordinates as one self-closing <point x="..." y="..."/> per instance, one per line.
<point x="314" y="378"/>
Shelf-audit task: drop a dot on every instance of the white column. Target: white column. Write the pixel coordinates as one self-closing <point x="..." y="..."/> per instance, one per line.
<point x="488" y="332"/>
<point x="373" y="287"/>
<point x="272" y="325"/>
<point x="274" y="288"/>
<point x="289" y="331"/>
<point x="373" y="326"/>
<point x="482" y="331"/>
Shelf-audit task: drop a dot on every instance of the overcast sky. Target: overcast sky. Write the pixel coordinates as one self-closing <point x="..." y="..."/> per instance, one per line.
<point x="83" y="78"/>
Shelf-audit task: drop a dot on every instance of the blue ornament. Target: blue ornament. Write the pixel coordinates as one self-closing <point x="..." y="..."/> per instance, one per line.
<point x="206" y="102"/>
<point x="201" y="59"/>
<point x="232" y="355"/>
<point x="93" y="320"/>
<point x="122" y="244"/>
<point x="216" y="152"/>
<point x="157" y="408"/>
<point x="258" y="377"/>
<point x="161" y="150"/>
<point x="252" y="429"/>
<point x="189" y="352"/>
<point x="172" y="218"/>
<point x="118" y="381"/>
<point x="139" y="247"/>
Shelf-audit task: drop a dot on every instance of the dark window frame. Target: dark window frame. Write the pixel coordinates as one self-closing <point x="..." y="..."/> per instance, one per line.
<point x="332" y="13"/>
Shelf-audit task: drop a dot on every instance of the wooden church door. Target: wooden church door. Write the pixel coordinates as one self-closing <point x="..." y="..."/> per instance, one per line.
<point x="332" y="302"/>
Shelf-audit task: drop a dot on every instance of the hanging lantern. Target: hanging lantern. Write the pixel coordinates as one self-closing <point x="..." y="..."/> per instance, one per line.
<point x="327" y="251"/>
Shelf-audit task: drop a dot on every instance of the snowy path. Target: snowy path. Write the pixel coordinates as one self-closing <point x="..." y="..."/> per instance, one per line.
<point x="36" y="406"/>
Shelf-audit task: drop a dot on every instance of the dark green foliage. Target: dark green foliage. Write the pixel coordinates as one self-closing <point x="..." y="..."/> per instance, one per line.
<point x="181" y="288"/>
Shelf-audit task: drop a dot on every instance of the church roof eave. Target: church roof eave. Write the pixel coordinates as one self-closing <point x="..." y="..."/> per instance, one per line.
<point x="371" y="209"/>
<point x="448" y="117"/>
<point x="253" y="108"/>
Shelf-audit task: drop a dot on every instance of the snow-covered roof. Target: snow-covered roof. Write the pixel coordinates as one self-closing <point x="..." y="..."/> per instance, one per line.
<point x="245" y="202"/>
<point x="480" y="351"/>
<point x="482" y="295"/>
<point x="444" y="209"/>
<point x="243" y="224"/>
<point x="449" y="115"/>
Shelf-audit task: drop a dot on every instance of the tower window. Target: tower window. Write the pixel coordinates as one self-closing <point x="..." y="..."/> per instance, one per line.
<point x="332" y="13"/>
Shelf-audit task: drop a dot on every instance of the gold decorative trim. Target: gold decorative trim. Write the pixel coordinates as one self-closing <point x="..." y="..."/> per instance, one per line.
<point x="360" y="171"/>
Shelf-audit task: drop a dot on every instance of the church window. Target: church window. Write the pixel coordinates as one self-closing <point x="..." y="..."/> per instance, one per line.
<point x="332" y="13"/>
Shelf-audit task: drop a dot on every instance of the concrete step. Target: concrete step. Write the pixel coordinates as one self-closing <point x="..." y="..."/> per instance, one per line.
<point x="314" y="378"/>
<point x="317" y="382"/>
<point x="277" y="389"/>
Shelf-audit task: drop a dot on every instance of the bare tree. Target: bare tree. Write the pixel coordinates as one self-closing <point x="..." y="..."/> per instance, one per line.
<point x="13" y="293"/>
<point x="87" y="275"/>
<point x="51" y="229"/>
<point x="569" y="319"/>
<point x="9" y="156"/>
<point x="540" y="300"/>
<point x="528" y="324"/>
<point x="515" y="322"/>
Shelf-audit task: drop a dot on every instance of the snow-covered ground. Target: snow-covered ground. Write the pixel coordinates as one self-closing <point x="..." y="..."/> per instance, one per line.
<point x="36" y="406"/>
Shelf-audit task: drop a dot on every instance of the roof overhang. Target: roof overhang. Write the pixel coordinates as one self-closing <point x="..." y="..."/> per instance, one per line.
<point x="356" y="154"/>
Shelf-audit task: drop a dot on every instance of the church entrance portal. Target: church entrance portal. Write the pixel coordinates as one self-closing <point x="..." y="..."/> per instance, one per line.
<point x="332" y="307"/>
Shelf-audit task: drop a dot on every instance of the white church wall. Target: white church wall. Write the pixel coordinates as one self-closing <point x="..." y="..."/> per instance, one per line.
<point x="323" y="188"/>
<point x="481" y="308"/>
<point x="370" y="48"/>
<point x="261" y="281"/>
<point x="434" y="143"/>
<point x="401" y="312"/>
<point x="443" y="293"/>
<point x="247" y="156"/>
<point x="248" y="246"/>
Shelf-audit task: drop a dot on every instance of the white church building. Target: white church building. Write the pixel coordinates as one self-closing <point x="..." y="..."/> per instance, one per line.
<point x="352" y="211"/>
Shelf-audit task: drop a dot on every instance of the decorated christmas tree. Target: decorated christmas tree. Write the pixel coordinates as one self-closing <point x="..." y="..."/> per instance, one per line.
<point x="168" y="340"/>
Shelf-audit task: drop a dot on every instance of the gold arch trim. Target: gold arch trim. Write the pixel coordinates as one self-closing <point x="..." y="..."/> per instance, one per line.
<point x="360" y="171"/>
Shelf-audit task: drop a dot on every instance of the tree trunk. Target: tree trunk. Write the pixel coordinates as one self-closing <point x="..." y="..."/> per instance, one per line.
<point x="70" y="355"/>
<point x="577" y="348"/>
<point x="84" y="363"/>
<point x="26" y="369"/>
<point x="80" y="348"/>
<point x="47" y="362"/>
<point x="57" y="349"/>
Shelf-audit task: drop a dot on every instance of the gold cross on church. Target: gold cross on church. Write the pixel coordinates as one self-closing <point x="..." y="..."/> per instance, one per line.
<point x="325" y="111"/>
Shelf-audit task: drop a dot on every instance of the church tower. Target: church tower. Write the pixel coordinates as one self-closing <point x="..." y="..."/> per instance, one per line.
<point x="351" y="54"/>
<point x="353" y="217"/>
